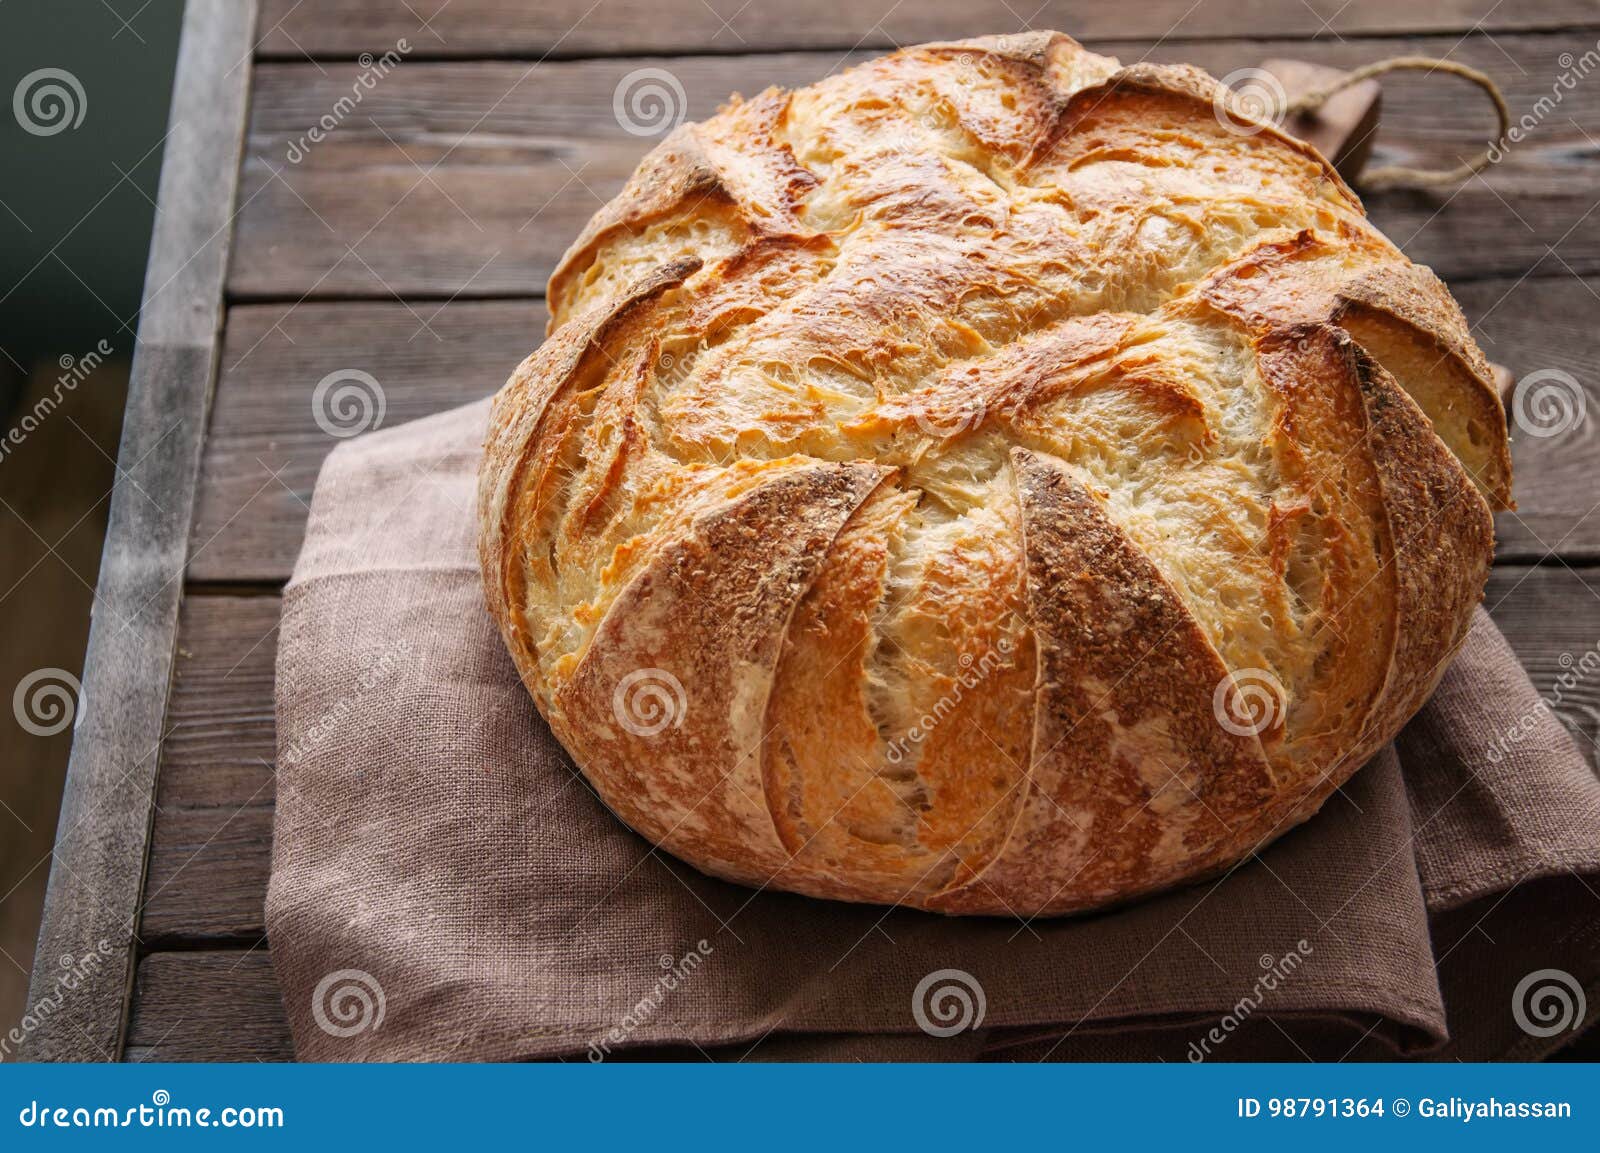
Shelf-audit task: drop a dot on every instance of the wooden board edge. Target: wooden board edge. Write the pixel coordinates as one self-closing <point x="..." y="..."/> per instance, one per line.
<point x="97" y="868"/>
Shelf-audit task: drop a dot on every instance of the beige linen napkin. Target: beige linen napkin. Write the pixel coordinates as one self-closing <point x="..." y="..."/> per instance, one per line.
<point x="446" y="886"/>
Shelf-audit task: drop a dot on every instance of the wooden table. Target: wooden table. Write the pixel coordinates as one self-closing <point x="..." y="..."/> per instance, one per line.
<point x="413" y="242"/>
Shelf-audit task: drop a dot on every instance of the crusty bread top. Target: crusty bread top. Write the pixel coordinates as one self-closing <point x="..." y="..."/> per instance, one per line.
<point x="949" y="452"/>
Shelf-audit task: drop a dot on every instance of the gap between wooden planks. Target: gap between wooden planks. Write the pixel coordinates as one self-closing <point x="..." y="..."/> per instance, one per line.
<point x="469" y="179"/>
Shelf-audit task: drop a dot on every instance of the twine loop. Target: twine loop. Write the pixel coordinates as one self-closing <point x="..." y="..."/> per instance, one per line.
<point x="1401" y="175"/>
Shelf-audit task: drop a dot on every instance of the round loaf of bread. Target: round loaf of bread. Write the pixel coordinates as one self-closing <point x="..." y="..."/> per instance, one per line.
<point x="991" y="480"/>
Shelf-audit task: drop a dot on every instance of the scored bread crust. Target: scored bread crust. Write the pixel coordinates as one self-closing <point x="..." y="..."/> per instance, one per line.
<point x="991" y="480"/>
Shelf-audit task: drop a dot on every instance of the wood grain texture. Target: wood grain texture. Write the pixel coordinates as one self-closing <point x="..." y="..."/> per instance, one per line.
<point x="208" y="1005"/>
<point x="220" y="748"/>
<point x="1551" y="617"/>
<point x="470" y="179"/>
<point x="291" y="28"/>
<point x="1535" y="327"/>
<point x="265" y="446"/>
<point x="208" y="875"/>
<point x="97" y="870"/>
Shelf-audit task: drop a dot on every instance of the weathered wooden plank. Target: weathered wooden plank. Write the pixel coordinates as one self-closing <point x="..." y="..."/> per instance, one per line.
<point x="209" y="866"/>
<point x="219" y="749"/>
<point x="97" y="870"/>
<point x="471" y="178"/>
<point x="1537" y="327"/>
<point x="208" y="1005"/>
<point x="266" y="443"/>
<point x="208" y="874"/>
<point x="293" y="28"/>
<point x="207" y="878"/>
<point x="487" y="170"/>
<point x="1551" y="617"/>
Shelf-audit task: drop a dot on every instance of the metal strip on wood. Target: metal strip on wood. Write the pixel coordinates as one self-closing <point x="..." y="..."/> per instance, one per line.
<point x="97" y="869"/>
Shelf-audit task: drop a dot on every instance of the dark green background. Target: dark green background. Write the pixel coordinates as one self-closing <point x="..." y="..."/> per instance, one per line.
<point x="73" y="232"/>
<point x="73" y="239"/>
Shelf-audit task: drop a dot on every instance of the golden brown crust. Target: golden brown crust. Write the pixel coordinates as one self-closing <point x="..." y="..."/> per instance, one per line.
<point x="1440" y="531"/>
<point x="989" y="480"/>
<point x="1132" y="784"/>
<point x="1403" y="317"/>
<point x="508" y="505"/>
<point x="704" y="623"/>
